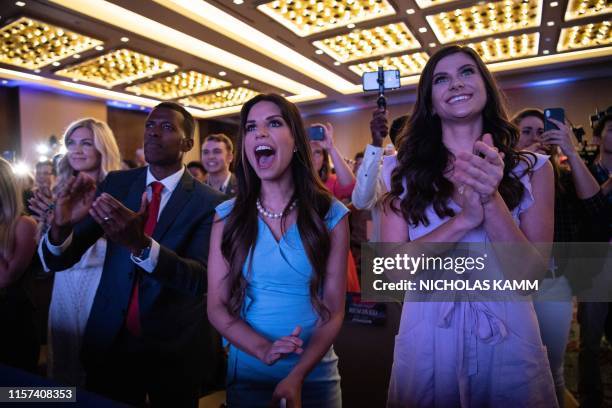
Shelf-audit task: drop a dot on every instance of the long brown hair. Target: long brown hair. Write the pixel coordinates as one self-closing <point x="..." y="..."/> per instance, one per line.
<point x="240" y="230"/>
<point x="423" y="158"/>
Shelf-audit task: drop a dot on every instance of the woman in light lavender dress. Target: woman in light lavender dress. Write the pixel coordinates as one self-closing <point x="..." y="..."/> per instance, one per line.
<point x="92" y="149"/>
<point x="459" y="179"/>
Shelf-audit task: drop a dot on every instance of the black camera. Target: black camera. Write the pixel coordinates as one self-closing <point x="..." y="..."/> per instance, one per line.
<point x="599" y="115"/>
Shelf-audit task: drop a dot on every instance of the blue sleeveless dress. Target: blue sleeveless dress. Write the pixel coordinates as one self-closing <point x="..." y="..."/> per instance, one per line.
<point x="277" y="299"/>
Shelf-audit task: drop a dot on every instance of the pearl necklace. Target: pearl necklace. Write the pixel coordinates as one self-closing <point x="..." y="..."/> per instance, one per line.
<point x="271" y="214"/>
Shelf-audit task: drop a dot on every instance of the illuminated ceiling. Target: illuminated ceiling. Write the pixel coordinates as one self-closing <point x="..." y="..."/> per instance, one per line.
<point x="213" y="55"/>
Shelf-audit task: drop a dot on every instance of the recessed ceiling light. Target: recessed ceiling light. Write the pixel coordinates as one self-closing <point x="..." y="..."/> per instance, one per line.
<point x="350" y="25"/>
<point x="246" y="82"/>
<point x="546" y="52"/>
<point x="554" y="3"/>
<point x="423" y="30"/>
<point x="124" y="39"/>
<point x="56" y="64"/>
<point x="99" y="48"/>
<point x="550" y="23"/>
<point x="283" y="95"/>
<point x="222" y="73"/>
<point x="319" y="52"/>
<point x="337" y="63"/>
<point x="75" y="80"/>
<point x="19" y="3"/>
<point x="238" y="2"/>
<point x="76" y="56"/>
<point x="37" y="71"/>
<point x="431" y="45"/>
<point x="547" y="39"/>
<point x="4" y="82"/>
<point x="410" y="11"/>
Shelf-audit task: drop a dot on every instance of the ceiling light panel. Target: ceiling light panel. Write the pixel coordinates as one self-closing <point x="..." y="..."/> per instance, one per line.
<point x="585" y="36"/>
<point x="306" y="17"/>
<point x="501" y="49"/>
<point x="220" y="99"/>
<point x="178" y="85"/>
<point x="33" y="44"/>
<point x="486" y="19"/>
<point x="586" y="8"/>
<point x="409" y="64"/>
<point x="371" y="42"/>
<point x="116" y="67"/>
<point x="430" y="3"/>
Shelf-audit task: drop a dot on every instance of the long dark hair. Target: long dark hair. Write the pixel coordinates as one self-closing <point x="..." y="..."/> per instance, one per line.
<point x="554" y="152"/>
<point x="240" y="231"/>
<point x="423" y="158"/>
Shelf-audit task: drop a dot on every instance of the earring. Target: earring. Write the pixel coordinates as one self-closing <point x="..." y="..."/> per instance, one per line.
<point x="295" y="150"/>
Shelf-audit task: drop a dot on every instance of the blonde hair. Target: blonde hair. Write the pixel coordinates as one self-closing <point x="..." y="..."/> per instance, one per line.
<point x="104" y="141"/>
<point x="11" y="208"/>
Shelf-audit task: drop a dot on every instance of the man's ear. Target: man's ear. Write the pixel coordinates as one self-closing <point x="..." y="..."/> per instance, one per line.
<point x="186" y="144"/>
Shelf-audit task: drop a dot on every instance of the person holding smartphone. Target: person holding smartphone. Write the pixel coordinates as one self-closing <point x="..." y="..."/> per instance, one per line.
<point x="579" y="208"/>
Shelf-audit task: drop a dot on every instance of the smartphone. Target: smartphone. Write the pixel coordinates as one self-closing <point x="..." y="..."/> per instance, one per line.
<point x="316" y="133"/>
<point x="391" y="80"/>
<point x="556" y="114"/>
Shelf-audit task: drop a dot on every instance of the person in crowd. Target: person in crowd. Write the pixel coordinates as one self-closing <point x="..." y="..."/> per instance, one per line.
<point x="357" y="162"/>
<point x="373" y="181"/>
<point x="127" y="164"/>
<point x="340" y="184"/>
<point x="198" y="171"/>
<point x="579" y="208"/>
<point x="459" y="179"/>
<point x="594" y="317"/>
<point x="45" y="175"/>
<point x="217" y="156"/>
<point x="93" y="151"/>
<point x="277" y="275"/>
<point x="139" y="157"/>
<point x="19" y="343"/>
<point x="146" y="338"/>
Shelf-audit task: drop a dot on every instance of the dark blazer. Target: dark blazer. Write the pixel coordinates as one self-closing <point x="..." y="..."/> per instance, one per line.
<point x="172" y="297"/>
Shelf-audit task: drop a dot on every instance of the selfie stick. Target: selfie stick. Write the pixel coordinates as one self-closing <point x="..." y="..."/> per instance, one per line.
<point x="381" y="101"/>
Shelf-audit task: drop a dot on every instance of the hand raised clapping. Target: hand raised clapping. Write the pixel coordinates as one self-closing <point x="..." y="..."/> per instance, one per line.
<point x="482" y="174"/>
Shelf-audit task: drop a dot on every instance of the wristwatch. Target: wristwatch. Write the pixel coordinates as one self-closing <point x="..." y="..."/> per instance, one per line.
<point x="143" y="255"/>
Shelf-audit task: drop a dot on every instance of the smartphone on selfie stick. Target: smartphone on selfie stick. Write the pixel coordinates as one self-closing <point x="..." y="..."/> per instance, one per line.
<point x="381" y="80"/>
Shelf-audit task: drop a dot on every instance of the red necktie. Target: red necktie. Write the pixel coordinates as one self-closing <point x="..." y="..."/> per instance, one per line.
<point x="132" y="321"/>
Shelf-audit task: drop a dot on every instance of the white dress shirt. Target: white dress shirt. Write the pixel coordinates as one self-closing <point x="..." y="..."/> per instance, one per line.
<point x="149" y="263"/>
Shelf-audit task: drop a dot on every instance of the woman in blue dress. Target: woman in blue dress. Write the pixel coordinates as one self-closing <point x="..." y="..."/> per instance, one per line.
<point x="277" y="267"/>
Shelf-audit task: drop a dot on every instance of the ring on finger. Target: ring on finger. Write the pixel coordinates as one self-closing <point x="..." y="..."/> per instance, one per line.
<point x="106" y="219"/>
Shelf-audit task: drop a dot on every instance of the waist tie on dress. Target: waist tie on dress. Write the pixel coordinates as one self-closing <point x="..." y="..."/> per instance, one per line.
<point x="476" y="323"/>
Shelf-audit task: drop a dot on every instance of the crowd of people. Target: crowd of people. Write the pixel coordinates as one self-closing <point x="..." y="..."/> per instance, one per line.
<point x="172" y="280"/>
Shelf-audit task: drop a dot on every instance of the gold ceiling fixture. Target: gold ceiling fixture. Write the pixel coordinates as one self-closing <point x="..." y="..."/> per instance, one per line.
<point x="409" y="64"/>
<point x="486" y="19"/>
<point x="585" y="8"/>
<point x="371" y="42"/>
<point x="116" y="67"/>
<point x="220" y="99"/>
<point x="585" y="36"/>
<point x="430" y="3"/>
<point x="514" y="46"/>
<point x="178" y="85"/>
<point x="306" y="17"/>
<point x="33" y="44"/>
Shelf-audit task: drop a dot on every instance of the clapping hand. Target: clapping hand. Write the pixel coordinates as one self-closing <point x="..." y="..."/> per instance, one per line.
<point x="42" y="206"/>
<point x="283" y="346"/>
<point x="74" y="200"/>
<point x="482" y="174"/>
<point x="120" y="224"/>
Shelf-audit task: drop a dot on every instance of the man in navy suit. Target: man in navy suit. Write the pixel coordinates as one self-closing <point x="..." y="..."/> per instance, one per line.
<point x="147" y="334"/>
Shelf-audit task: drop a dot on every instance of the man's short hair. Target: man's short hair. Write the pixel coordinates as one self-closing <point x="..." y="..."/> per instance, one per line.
<point x="46" y="163"/>
<point x="196" y="164"/>
<point x="601" y="123"/>
<point x="188" y="121"/>
<point x="220" y="137"/>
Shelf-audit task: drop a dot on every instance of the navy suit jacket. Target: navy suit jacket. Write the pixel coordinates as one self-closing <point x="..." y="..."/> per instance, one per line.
<point x="172" y="298"/>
